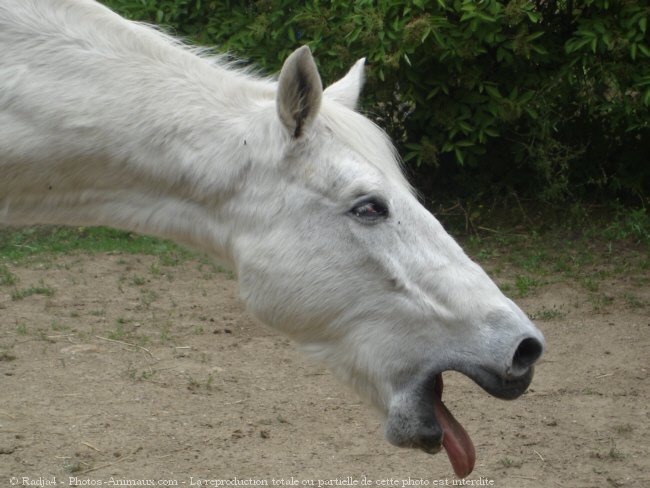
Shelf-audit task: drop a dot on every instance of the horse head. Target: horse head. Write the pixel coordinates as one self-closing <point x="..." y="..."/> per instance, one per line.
<point x="340" y="255"/>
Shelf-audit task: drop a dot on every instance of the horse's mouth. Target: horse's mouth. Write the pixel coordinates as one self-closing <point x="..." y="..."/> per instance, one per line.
<point x="432" y="427"/>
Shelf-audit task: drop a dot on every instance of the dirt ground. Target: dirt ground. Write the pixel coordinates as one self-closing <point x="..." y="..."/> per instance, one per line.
<point x="118" y="369"/>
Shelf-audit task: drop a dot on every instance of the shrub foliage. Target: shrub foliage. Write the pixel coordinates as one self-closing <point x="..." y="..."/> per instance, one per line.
<point x="548" y="99"/>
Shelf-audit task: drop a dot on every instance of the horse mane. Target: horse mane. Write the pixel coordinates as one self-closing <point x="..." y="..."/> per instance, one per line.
<point x="109" y="34"/>
<point x="352" y="128"/>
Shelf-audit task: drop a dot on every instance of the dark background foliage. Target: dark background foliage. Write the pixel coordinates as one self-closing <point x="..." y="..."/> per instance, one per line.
<point x="547" y="101"/>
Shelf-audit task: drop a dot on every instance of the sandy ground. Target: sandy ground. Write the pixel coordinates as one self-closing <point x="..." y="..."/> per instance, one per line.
<point x="122" y="371"/>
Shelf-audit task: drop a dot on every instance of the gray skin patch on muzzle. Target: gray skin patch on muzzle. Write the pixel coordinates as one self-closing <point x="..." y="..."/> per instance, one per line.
<point x="411" y="421"/>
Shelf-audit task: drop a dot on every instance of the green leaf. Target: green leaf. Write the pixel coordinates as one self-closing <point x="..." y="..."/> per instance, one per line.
<point x="447" y="147"/>
<point x="414" y="146"/>
<point x="574" y="44"/>
<point x="485" y="17"/>
<point x="493" y="91"/>
<point x="533" y="16"/>
<point x="531" y="112"/>
<point x="459" y="156"/>
<point x="527" y="97"/>
<point x="411" y="155"/>
<point x="644" y="49"/>
<point x="467" y="16"/>
<point x="427" y="31"/>
<point x="464" y="143"/>
<point x="539" y="50"/>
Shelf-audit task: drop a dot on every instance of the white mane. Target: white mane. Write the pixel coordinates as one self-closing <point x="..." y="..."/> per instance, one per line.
<point x="348" y="126"/>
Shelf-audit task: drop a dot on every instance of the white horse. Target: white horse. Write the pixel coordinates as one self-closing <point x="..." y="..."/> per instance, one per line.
<point x="109" y="122"/>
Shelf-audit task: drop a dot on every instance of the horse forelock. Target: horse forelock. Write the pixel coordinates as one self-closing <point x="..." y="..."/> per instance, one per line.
<point x="365" y="138"/>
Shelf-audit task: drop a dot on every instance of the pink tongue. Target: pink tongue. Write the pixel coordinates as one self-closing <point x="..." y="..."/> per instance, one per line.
<point x="456" y="441"/>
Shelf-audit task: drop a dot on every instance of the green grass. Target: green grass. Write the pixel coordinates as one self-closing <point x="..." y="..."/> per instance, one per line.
<point x="20" y="244"/>
<point x="7" y="278"/>
<point x="546" y="314"/>
<point x="56" y="326"/>
<point x="526" y="285"/>
<point x="32" y="290"/>
<point x="118" y="333"/>
<point x="586" y="255"/>
<point x="632" y="301"/>
<point x="138" y="280"/>
<point x="508" y="462"/>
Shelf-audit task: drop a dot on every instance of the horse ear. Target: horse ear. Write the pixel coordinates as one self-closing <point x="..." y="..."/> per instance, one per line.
<point x="300" y="91"/>
<point x="347" y="90"/>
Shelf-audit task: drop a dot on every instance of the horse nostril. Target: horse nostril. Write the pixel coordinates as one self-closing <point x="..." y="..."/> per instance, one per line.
<point x="528" y="351"/>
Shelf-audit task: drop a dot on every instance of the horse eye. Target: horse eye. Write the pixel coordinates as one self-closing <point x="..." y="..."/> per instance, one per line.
<point x="370" y="210"/>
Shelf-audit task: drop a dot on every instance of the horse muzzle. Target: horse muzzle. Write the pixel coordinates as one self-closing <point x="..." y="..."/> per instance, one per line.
<point x="418" y="418"/>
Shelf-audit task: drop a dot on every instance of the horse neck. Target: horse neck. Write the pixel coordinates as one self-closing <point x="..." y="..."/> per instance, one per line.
<point x="127" y="131"/>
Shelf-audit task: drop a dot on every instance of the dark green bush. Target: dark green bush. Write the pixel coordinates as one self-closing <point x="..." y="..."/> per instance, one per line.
<point x="545" y="99"/>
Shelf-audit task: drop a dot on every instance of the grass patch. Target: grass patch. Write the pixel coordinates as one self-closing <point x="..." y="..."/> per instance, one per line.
<point x="118" y="333"/>
<point x="600" y="302"/>
<point x="615" y="454"/>
<point x="143" y="375"/>
<point x="56" y="326"/>
<point x="165" y="333"/>
<point x="7" y="278"/>
<point x="138" y="280"/>
<point x="632" y="301"/>
<point x="546" y="314"/>
<point x="20" y="244"/>
<point x="508" y="462"/>
<point x="193" y="384"/>
<point x="147" y="297"/>
<point x="585" y="253"/>
<point x="32" y="290"/>
<point x="633" y="224"/>
<point x="525" y="285"/>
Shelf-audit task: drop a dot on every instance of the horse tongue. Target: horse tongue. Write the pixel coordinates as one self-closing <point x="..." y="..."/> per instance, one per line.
<point x="455" y="440"/>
